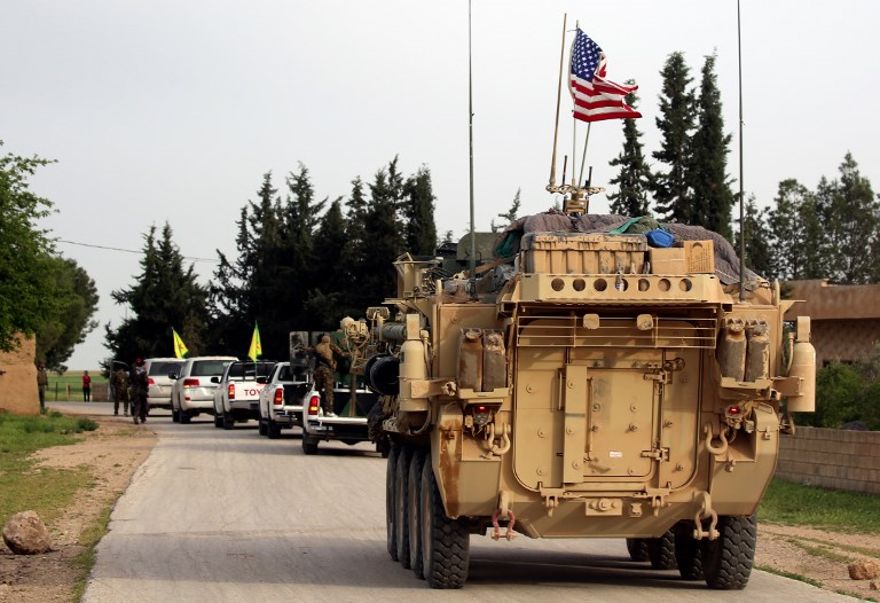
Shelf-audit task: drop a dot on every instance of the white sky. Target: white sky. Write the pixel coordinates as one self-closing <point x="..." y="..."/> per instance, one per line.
<point x="170" y="110"/>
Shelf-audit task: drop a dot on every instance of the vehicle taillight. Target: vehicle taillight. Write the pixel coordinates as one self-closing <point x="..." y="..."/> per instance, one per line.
<point x="482" y="414"/>
<point x="230" y="391"/>
<point x="190" y="383"/>
<point x="734" y="411"/>
<point x="278" y="400"/>
<point x="151" y="381"/>
<point x="314" y="405"/>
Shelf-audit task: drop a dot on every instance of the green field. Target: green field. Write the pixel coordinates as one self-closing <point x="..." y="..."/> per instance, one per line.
<point x="796" y="504"/>
<point x="59" y="384"/>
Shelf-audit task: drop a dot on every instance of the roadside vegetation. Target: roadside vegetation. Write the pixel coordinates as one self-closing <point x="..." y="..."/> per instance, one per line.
<point x="72" y="381"/>
<point x="795" y="504"/>
<point x="22" y="486"/>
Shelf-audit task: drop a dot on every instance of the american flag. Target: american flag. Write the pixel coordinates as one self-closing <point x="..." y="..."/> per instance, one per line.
<point x="595" y="98"/>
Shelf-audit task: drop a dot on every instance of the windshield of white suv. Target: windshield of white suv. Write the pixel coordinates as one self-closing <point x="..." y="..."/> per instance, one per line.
<point x="208" y="368"/>
<point x="164" y="367"/>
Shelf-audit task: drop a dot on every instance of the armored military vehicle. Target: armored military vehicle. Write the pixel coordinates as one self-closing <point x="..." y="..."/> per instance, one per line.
<point x="584" y="384"/>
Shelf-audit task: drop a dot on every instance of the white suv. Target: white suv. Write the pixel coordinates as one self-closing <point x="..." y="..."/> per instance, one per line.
<point x="193" y="390"/>
<point x="158" y="383"/>
<point x="238" y="392"/>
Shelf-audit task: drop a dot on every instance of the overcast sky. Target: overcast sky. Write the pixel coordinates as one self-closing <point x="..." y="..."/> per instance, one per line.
<point x="173" y="110"/>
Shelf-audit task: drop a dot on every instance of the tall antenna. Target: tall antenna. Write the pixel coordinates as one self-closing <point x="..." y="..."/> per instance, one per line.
<point x="742" y="220"/>
<point x="552" y="185"/>
<point x="473" y="263"/>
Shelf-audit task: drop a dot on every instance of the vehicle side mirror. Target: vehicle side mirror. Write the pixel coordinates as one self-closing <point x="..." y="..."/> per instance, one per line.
<point x="262" y="380"/>
<point x="173" y="376"/>
<point x="215" y="379"/>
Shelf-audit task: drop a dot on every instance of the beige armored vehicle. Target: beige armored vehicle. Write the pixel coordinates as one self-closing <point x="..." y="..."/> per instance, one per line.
<point x="585" y="385"/>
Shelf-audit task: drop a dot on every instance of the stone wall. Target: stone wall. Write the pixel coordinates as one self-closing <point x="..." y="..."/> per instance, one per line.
<point x="833" y="458"/>
<point x="18" y="384"/>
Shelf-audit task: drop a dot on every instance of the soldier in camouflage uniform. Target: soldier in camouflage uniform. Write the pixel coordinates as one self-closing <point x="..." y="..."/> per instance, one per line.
<point x="325" y="372"/>
<point x="137" y="380"/>
<point x="120" y="391"/>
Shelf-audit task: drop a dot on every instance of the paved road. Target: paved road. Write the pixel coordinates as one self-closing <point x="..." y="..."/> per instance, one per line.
<point x="214" y="515"/>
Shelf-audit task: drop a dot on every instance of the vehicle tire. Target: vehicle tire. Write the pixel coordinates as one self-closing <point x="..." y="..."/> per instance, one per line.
<point x="263" y="429"/>
<point x="401" y="505"/>
<point x="414" y="483"/>
<point x="185" y="417"/>
<point x="383" y="447"/>
<point x="661" y="551"/>
<point x="687" y="552"/>
<point x="390" y="475"/>
<point x="638" y="549"/>
<point x="445" y="541"/>
<point x="728" y="560"/>
<point x="273" y="430"/>
<point x="175" y="415"/>
<point x="309" y="444"/>
<point x="218" y="421"/>
<point x="228" y="421"/>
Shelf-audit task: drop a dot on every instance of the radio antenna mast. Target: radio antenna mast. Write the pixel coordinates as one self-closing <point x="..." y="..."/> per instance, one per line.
<point x="473" y="262"/>
<point x="742" y="220"/>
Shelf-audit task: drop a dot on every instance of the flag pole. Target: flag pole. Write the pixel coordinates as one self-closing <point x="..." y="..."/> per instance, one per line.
<point x="574" y="130"/>
<point x="584" y="156"/>
<point x="552" y="184"/>
<point x="742" y="221"/>
<point x="473" y="262"/>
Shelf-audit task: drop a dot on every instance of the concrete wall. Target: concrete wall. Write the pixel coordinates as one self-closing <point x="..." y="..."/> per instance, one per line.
<point x="18" y="384"/>
<point x="834" y="458"/>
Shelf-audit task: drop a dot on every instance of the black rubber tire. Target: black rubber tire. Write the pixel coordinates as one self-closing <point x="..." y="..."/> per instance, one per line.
<point x="414" y="486"/>
<point x="390" y="478"/>
<point x="637" y="548"/>
<point x="401" y="504"/>
<point x="309" y="445"/>
<point x="383" y="448"/>
<point x="273" y="430"/>
<point x="261" y="428"/>
<point x="185" y="417"/>
<point x="445" y="541"/>
<point x="175" y="415"/>
<point x="687" y="552"/>
<point x="218" y="422"/>
<point x="228" y="421"/>
<point x="661" y="551"/>
<point x="728" y="560"/>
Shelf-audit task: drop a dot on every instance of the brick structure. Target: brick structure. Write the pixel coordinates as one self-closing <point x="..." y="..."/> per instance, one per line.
<point x="18" y="381"/>
<point x="832" y="458"/>
<point x="845" y="318"/>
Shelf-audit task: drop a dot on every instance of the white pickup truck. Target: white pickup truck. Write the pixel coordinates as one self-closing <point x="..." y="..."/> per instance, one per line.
<point x="238" y="392"/>
<point x="348" y="426"/>
<point x="281" y="401"/>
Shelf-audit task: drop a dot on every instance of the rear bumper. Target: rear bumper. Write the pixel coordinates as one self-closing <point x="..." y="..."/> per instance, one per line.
<point x="197" y="405"/>
<point x="338" y="428"/>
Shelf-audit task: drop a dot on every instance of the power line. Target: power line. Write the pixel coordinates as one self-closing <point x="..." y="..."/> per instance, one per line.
<point x="138" y="252"/>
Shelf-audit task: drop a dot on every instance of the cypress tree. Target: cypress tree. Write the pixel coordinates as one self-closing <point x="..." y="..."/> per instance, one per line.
<point x="634" y="178"/>
<point x="325" y="300"/>
<point x="759" y="252"/>
<point x="672" y="188"/>
<point x="418" y="212"/>
<point x="712" y="197"/>
<point x="385" y="241"/>
<point x="301" y="215"/>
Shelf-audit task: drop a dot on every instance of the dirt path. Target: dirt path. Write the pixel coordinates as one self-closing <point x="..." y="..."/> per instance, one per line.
<point x="112" y="453"/>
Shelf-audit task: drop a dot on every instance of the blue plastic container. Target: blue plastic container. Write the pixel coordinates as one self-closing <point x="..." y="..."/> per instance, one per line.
<point x="659" y="238"/>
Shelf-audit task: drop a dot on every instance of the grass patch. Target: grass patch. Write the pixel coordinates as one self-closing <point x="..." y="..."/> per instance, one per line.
<point x="22" y="486"/>
<point x="823" y="551"/>
<point x="772" y="570"/>
<point x="85" y="561"/>
<point x="796" y="504"/>
<point x="69" y="385"/>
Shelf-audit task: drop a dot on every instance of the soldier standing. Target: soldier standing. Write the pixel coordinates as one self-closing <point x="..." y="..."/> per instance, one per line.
<point x="137" y="380"/>
<point x="325" y="371"/>
<point x="120" y="391"/>
<point x="42" y="384"/>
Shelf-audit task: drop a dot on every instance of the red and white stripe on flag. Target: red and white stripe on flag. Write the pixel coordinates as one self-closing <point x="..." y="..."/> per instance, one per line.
<point x="601" y="98"/>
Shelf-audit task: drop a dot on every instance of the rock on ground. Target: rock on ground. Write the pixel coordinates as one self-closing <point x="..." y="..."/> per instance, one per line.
<point x="26" y="534"/>
<point x="863" y="570"/>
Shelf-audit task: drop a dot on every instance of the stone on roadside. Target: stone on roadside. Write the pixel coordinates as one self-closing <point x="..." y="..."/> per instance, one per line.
<point x="26" y="534"/>
<point x="863" y="570"/>
<point x="874" y="585"/>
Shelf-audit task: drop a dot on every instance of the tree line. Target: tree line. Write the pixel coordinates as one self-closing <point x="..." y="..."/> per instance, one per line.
<point x="300" y="263"/>
<point x="832" y="231"/>
<point x="42" y="293"/>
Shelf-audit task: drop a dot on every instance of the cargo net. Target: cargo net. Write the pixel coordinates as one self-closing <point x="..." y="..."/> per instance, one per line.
<point x="556" y="222"/>
<point x="615" y="332"/>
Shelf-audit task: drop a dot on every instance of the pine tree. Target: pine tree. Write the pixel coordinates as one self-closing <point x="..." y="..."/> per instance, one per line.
<point x="418" y="212"/>
<point x="672" y="188"/>
<point x="759" y="252"/>
<point x="634" y="178"/>
<point x="385" y="241"/>
<point x="511" y="214"/>
<point x="326" y="297"/>
<point x="165" y="295"/>
<point x="711" y="194"/>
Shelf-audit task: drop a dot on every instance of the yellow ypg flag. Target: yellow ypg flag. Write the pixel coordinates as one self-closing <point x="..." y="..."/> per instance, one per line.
<point x="256" y="349"/>
<point x="179" y="347"/>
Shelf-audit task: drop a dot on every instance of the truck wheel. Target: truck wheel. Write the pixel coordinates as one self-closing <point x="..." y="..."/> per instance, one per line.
<point x="661" y="551"/>
<point x="218" y="421"/>
<point x="390" y="475"/>
<point x="687" y="552"/>
<point x="445" y="541"/>
<point x="414" y="482"/>
<point x="262" y="428"/>
<point x="401" y="505"/>
<point x="728" y="560"/>
<point x="637" y="548"/>
<point x="185" y="417"/>
<point x="309" y="445"/>
<point x="175" y="415"/>
<point x="228" y="421"/>
<point x="273" y="430"/>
